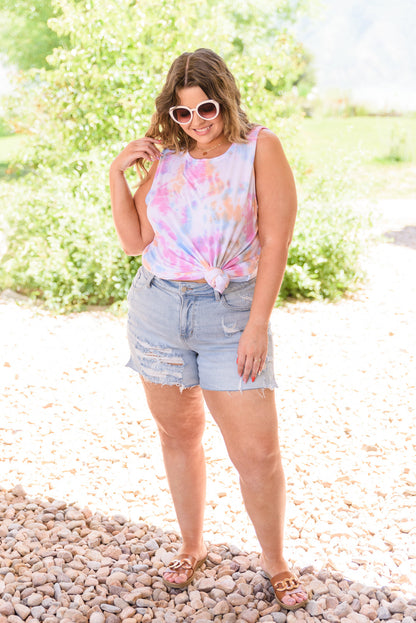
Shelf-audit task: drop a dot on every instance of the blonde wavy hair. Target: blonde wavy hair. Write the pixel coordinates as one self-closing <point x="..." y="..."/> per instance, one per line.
<point x="205" y="69"/>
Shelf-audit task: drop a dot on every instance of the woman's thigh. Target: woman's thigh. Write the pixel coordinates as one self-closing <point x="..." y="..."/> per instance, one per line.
<point x="179" y="413"/>
<point x="248" y="423"/>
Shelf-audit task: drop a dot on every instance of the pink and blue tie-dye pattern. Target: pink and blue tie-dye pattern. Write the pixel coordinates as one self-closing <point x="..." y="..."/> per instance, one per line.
<point x="204" y="215"/>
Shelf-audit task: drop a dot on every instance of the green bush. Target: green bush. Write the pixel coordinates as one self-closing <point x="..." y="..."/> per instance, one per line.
<point x="323" y="257"/>
<point x="62" y="246"/>
<point x="330" y="234"/>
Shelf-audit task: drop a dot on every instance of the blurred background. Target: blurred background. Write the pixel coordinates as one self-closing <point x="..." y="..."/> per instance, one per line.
<point x="335" y="79"/>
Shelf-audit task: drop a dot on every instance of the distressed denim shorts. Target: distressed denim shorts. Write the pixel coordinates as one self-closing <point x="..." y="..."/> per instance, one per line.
<point x="185" y="333"/>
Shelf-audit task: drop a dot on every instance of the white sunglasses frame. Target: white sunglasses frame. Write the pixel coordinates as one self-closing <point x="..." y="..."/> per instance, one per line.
<point x="192" y="110"/>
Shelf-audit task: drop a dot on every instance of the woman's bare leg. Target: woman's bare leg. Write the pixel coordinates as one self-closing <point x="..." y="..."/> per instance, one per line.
<point x="248" y="422"/>
<point x="180" y="419"/>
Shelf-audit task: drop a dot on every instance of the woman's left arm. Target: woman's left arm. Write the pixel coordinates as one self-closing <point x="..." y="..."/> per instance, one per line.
<point x="277" y="207"/>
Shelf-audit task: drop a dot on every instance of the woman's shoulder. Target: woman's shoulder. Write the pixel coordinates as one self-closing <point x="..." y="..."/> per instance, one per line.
<point x="269" y="150"/>
<point x="261" y="135"/>
<point x="266" y="139"/>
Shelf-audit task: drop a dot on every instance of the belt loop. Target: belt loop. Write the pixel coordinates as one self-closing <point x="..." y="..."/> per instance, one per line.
<point x="148" y="276"/>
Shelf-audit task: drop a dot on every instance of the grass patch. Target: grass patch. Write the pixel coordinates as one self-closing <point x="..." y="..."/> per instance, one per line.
<point x="384" y="147"/>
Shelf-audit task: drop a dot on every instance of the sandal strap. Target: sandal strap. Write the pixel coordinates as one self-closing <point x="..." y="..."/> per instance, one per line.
<point x="284" y="582"/>
<point x="186" y="563"/>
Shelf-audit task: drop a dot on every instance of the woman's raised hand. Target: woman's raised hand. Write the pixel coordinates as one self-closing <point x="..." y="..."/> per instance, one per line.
<point x="141" y="148"/>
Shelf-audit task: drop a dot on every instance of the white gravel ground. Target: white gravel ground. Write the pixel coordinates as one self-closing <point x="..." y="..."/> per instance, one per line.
<point x="74" y="423"/>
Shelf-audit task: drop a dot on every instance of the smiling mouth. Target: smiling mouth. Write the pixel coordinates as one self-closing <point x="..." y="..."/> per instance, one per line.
<point x="203" y="129"/>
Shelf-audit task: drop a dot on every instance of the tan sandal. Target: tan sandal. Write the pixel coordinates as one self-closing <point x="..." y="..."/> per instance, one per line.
<point x="185" y="565"/>
<point x="285" y="583"/>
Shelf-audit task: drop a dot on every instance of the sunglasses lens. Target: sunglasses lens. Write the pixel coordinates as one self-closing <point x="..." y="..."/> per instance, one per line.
<point x="207" y="110"/>
<point x="181" y="114"/>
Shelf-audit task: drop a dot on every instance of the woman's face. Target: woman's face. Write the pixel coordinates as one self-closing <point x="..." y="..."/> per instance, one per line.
<point x="204" y="131"/>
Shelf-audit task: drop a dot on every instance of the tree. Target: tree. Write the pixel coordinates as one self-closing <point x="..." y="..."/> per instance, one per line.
<point x="25" y="37"/>
<point x="100" y="86"/>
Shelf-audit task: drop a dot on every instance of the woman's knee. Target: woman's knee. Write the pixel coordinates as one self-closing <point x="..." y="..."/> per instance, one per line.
<point x="258" y="463"/>
<point x="186" y="437"/>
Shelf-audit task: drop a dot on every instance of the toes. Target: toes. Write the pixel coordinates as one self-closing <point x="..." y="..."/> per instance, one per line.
<point x="289" y="600"/>
<point x="175" y="578"/>
<point x="301" y="596"/>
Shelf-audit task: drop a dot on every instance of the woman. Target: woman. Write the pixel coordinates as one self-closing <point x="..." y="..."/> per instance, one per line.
<point x="213" y="219"/>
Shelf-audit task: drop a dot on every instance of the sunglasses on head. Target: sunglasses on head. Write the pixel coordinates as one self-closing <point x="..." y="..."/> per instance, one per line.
<point x="208" y="110"/>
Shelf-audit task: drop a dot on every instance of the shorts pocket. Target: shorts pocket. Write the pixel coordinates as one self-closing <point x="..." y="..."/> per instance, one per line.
<point x="142" y="279"/>
<point x="239" y="297"/>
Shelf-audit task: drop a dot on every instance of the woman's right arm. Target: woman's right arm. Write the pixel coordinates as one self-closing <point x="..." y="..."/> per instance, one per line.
<point x="129" y="214"/>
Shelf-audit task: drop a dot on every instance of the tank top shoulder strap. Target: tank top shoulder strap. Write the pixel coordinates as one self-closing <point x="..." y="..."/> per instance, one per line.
<point x="254" y="132"/>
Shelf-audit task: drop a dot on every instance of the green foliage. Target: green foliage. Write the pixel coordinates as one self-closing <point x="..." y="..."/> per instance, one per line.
<point x="330" y="235"/>
<point x="25" y="38"/>
<point x="61" y="241"/>
<point x="101" y="87"/>
<point x="4" y="128"/>
<point x="98" y="94"/>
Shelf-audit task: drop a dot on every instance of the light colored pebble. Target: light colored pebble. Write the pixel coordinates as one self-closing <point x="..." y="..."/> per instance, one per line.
<point x="221" y="607"/>
<point x="22" y="611"/>
<point x="313" y="608"/>
<point x="383" y="613"/>
<point x="397" y="606"/>
<point x="318" y="587"/>
<point x="206" y="584"/>
<point x="251" y="616"/>
<point x="226" y="584"/>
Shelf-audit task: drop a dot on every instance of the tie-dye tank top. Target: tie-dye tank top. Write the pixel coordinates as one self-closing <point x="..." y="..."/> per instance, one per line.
<point x="204" y="215"/>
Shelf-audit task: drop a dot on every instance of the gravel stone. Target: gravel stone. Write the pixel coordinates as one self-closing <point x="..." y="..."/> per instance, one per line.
<point x="313" y="609"/>
<point x="22" y="611"/>
<point x="342" y="610"/>
<point x="206" y="584"/>
<point x="221" y="607"/>
<point x="399" y="605"/>
<point x="251" y="616"/>
<point x="226" y="584"/>
<point x="318" y="587"/>
<point x="383" y="613"/>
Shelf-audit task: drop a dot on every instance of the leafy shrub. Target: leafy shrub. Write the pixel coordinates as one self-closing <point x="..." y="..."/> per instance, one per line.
<point x="329" y="237"/>
<point x="62" y="246"/>
<point x="323" y="257"/>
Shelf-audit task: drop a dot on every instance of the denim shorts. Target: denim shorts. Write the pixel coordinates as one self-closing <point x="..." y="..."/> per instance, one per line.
<point x="185" y="333"/>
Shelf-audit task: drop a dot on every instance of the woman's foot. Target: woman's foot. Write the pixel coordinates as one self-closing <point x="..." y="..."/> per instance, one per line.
<point x="181" y="569"/>
<point x="289" y="592"/>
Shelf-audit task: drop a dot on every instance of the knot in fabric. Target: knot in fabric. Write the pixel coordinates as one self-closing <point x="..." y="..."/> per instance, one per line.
<point x="217" y="279"/>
